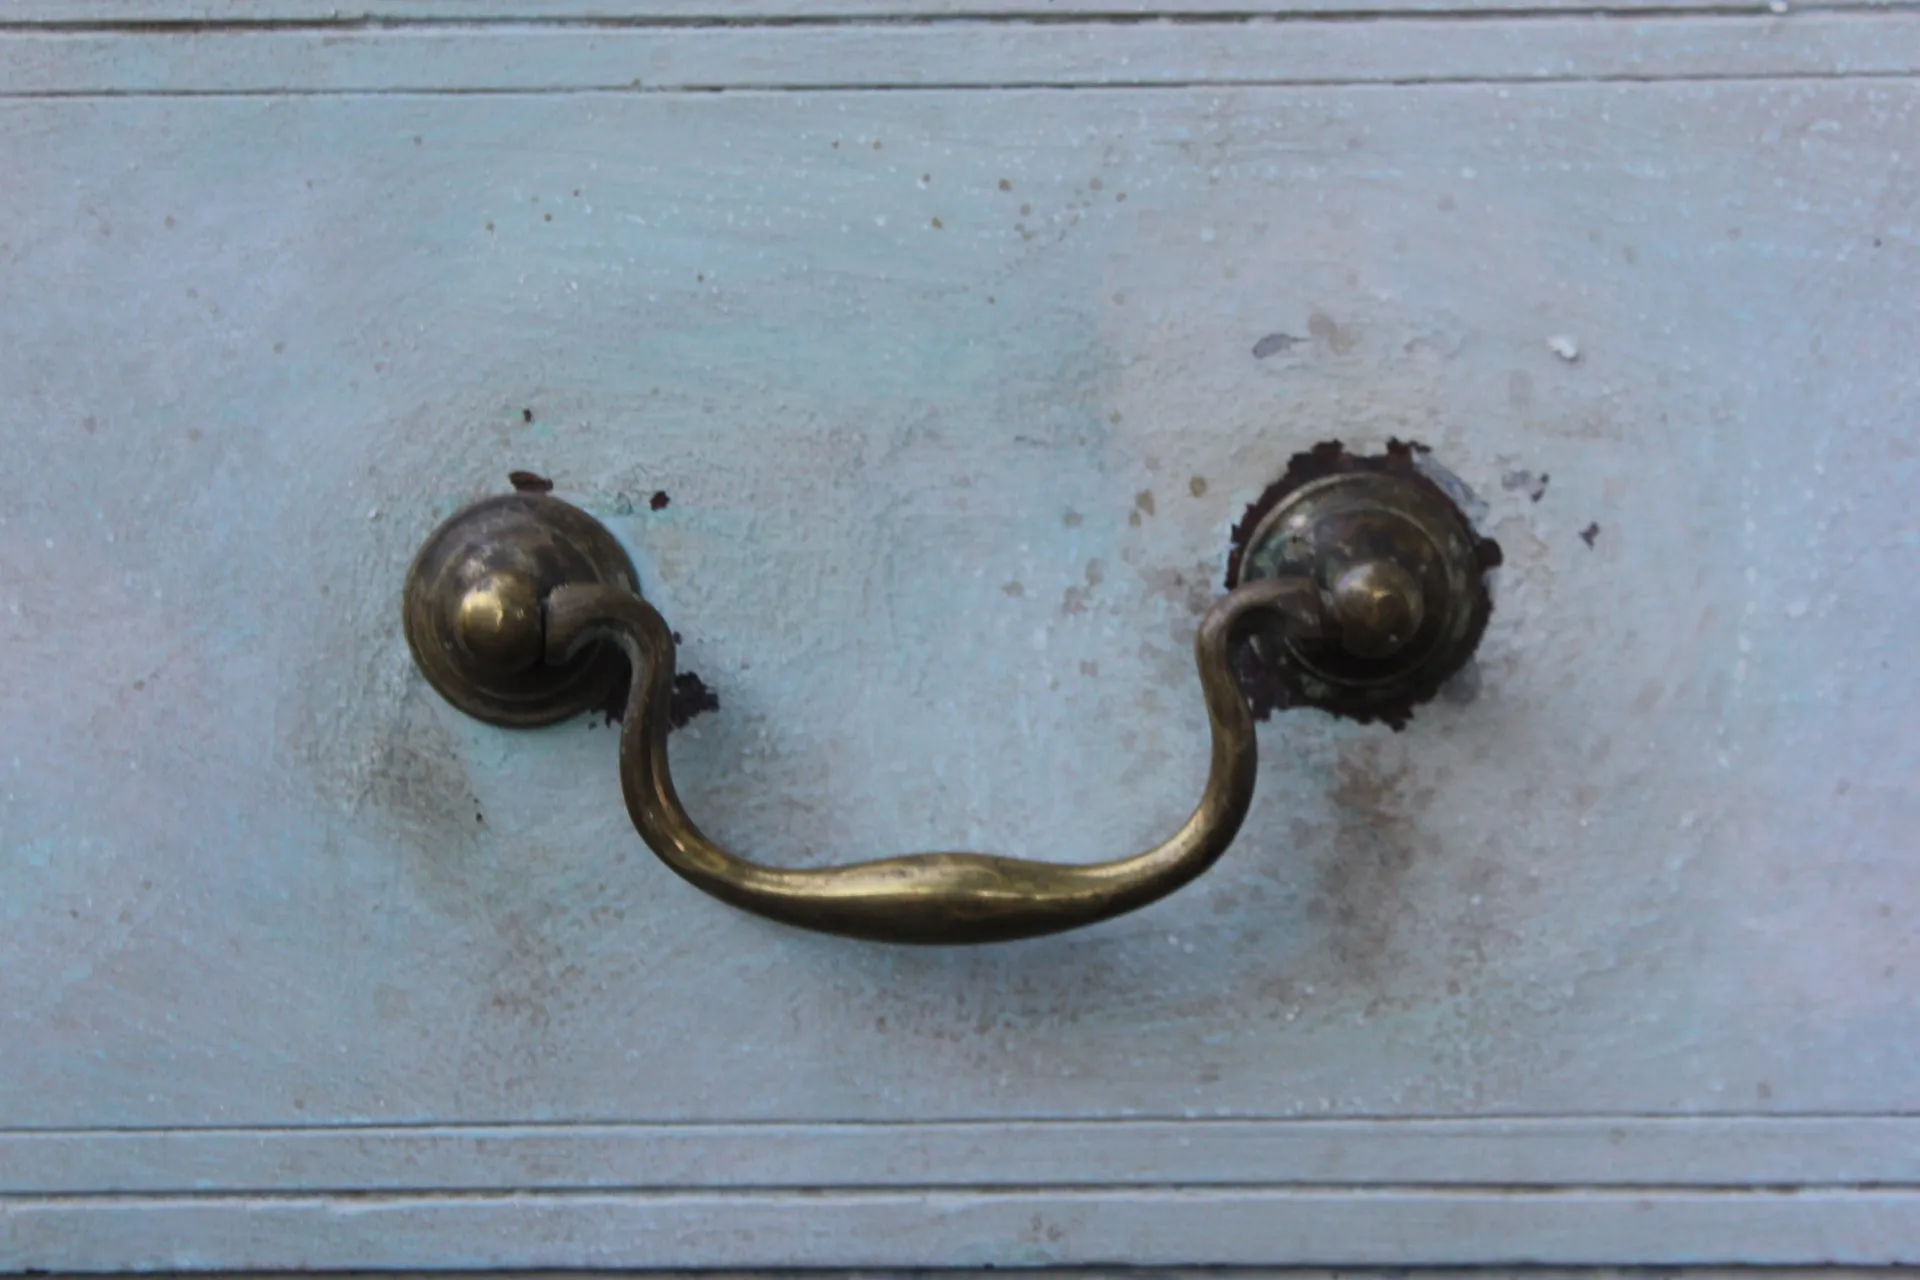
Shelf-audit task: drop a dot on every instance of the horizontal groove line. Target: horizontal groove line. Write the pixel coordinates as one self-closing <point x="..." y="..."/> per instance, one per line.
<point x="374" y="24"/>
<point x="964" y="86"/>
<point x="816" y="1191"/>
<point x="479" y="1127"/>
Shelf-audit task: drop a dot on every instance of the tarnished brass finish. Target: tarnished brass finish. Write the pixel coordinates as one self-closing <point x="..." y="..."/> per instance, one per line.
<point x="932" y="897"/>
<point x="473" y="604"/>
<point x="518" y="609"/>
<point x="1403" y="574"/>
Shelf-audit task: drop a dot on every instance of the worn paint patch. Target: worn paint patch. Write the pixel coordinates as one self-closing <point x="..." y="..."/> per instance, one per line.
<point x="1533" y="484"/>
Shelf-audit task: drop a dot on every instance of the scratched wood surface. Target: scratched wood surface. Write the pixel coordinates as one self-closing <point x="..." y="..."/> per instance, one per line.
<point x="950" y="358"/>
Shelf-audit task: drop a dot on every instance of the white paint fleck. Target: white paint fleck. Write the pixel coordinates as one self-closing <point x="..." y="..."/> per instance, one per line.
<point x="1564" y="345"/>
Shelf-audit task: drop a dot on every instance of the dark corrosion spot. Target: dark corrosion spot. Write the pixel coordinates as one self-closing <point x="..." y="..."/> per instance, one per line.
<point x="691" y="697"/>
<point x="526" y="415"/>
<point x="659" y="500"/>
<point x="1527" y="482"/>
<point x="1590" y="534"/>
<point x="1274" y="344"/>
<point x="529" y="482"/>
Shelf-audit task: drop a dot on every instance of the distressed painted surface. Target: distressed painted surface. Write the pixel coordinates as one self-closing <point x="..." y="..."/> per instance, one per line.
<point x="392" y="13"/>
<point x="1162" y="1227"/>
<point x="953" y="395"/>
<point x="1538" y="1154"/>
<point x="578" y="58"/>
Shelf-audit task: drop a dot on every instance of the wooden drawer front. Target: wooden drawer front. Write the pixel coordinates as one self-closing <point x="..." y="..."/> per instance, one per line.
<point x="923" y="368"/>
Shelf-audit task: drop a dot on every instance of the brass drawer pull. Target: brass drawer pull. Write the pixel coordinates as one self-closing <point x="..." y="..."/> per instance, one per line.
<point x="507" y="600"/>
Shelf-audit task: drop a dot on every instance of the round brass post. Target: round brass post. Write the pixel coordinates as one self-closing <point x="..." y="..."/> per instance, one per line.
<point x="1403" y="574"/>
<point x="473" y="609"/>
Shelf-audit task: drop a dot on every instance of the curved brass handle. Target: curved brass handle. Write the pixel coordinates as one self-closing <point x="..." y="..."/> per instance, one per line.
<point x="930" y="897"/>
<point x="1368" y="578"/>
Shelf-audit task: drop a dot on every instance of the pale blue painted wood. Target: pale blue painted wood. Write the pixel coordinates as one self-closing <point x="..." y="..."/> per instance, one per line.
<point x="390" y="13"/>
<point x="1615" y="1152"/>
<point x="569" y="58"/>
<point x="866" y="455"/>
<point x="1160" y="1227"/>
<point x="952" y="434"/>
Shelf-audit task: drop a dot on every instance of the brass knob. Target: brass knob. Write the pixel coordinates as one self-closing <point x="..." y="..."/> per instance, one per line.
<point x="475" y="600"/>
<point x="517" y="610"/>
<point x="1377" y="608"/>
<point x="498" y="625"/>
<point x="1403" y="572"/>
